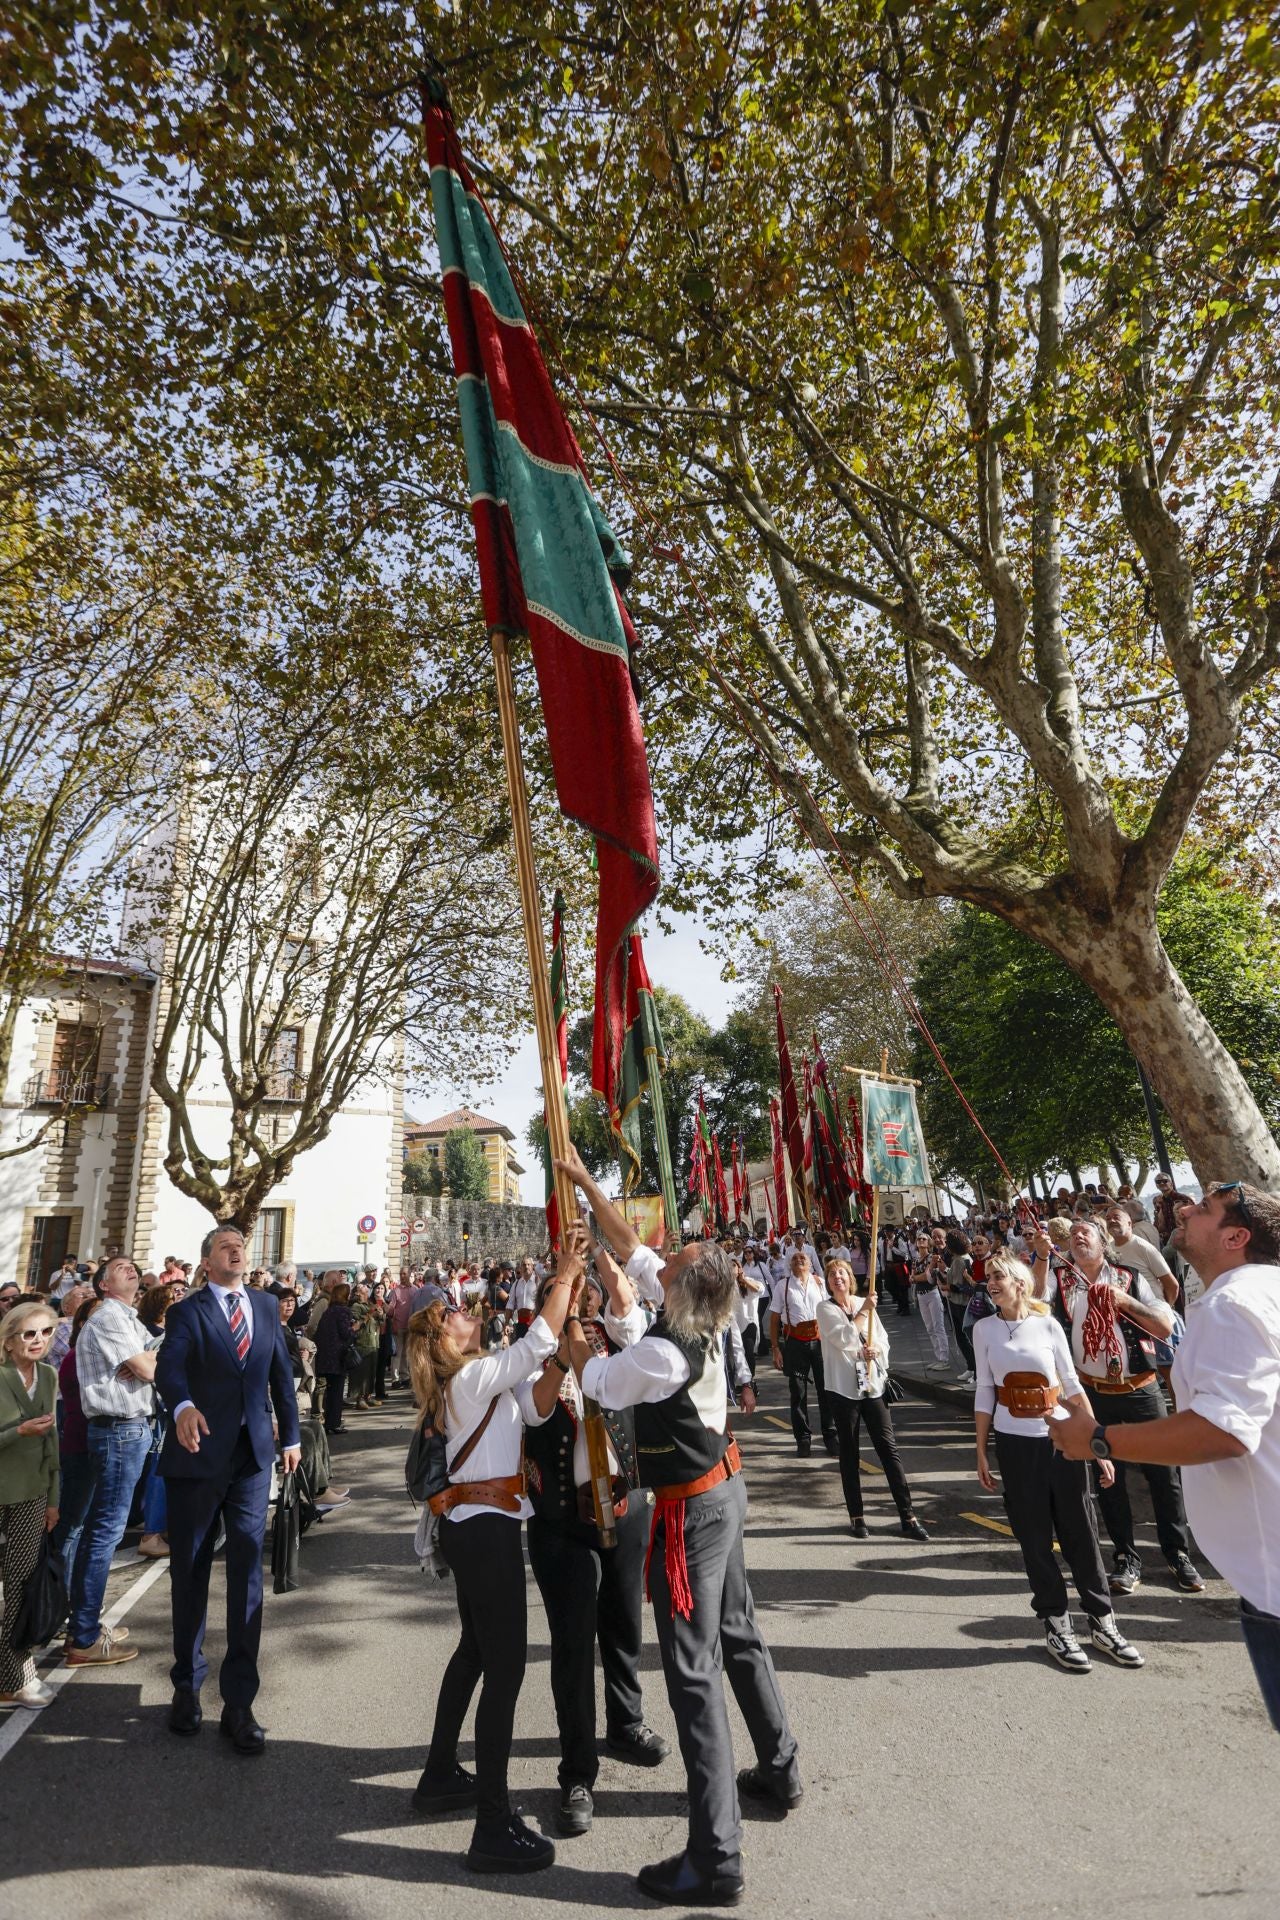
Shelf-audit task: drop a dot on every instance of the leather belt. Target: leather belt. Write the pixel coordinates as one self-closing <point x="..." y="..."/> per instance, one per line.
<point x="1132" y="1385"/>
<point x="505" y="1494"/>
<point x="524" y="1317"/>
<point x="731" y="1464"/>
<point x="806" y="1330"/>
<point x="1028" y="1396"/>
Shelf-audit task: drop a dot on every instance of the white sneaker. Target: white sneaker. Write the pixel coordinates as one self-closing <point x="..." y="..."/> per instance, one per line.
<point x="938" y="1366"/>
<point x="1061" y="1644"/>
<point x="1108" y="1639"/>
<point x="34" y="1697"/>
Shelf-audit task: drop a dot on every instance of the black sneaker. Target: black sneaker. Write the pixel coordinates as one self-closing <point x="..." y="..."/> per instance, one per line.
<point x="677" y="1883"/>
<point x="1126" y="1574"/>
<point x="574" y="1814"/>
<point x="804" y="1448"/>
<point x="858" y="1528"/>
<point x="642" y="1747"/>
<point x="913" y="1529"/>
<point x="511" y="1848"/>
<point x="759" y="1785"/>
<point x="1185" y="1574"/>
<point x="444" y="1793"/>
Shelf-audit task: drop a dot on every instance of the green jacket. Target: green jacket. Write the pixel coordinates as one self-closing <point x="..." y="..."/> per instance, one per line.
<point x="28" y="1464"/>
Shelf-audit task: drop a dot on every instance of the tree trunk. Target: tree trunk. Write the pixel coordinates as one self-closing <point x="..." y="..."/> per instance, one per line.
<point x="1200" y="1086"/>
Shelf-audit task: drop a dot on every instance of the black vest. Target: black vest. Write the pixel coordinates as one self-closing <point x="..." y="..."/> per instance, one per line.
<point x="548" y="1452"/>
<point x="672" y="1444"/>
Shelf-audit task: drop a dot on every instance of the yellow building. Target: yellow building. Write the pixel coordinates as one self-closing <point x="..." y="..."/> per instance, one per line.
<point x="424" y="1141"/>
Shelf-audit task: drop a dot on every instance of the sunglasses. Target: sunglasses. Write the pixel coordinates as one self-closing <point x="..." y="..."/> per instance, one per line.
<point x="35" y="1333"/>
<point x="1241" y="1205"/>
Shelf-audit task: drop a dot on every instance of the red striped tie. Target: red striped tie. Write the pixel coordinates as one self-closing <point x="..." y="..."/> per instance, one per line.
<point x="239" y="1328"/>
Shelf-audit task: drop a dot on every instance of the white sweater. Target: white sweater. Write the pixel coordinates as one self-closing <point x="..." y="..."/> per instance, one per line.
<point x="1034" y="1345"/>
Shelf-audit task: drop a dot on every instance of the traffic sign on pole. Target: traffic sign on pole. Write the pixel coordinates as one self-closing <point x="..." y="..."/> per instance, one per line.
<point x="368" y="1226"/>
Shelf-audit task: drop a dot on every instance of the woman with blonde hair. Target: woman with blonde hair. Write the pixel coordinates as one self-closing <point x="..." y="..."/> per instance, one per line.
<point x="466" y="1394"/>
<point x="855" y="1363"/>
<point x="1025" y="1371"/>
<point x="28" y="1479"/>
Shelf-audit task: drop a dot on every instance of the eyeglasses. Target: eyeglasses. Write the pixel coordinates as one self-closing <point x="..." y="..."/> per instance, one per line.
<point x="35" y="1333"/>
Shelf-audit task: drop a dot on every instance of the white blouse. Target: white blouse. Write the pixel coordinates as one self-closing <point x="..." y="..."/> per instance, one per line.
<point x="843" y="1368"/>
<point x="466" y="1402"/>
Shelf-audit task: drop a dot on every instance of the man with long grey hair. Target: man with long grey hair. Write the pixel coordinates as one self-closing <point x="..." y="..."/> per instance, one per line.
<point x="673" y="1376"/>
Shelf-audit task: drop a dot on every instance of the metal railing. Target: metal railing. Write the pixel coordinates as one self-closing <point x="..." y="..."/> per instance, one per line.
<point x="68" y="1087"/>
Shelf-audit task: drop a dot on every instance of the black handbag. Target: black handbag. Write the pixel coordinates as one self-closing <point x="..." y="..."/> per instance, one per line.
<point x="43" y="1606"/>
<point x="286" y="1536"/>
<point x="892" y="1391"/>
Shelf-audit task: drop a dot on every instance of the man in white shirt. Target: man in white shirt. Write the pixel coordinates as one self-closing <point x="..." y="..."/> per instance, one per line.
<point x="703" y="1611"/>
<point x="1225" y="1436"/>
<point x="1113" y="1320"/>
<point x="797" y="1351"/>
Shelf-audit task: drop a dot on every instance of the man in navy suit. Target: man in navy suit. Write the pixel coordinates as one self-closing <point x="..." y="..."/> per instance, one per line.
<point x="222" y="1368"/>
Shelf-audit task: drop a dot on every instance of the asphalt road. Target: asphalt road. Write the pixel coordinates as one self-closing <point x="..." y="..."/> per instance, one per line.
<point x="951" y="1772"/>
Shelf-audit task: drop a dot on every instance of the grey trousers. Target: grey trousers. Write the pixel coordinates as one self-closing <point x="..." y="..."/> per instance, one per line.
<point x="722" y="1637"/>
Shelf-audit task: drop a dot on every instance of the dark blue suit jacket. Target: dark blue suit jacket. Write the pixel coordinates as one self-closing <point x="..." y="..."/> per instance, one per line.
<point x="198" y="1362"/>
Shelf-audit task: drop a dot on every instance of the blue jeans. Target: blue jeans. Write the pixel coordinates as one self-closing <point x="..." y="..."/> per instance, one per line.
<point x="76" y="1476"/>
<point x="119" y="1453"/>
<point x="1262" y="1637"/>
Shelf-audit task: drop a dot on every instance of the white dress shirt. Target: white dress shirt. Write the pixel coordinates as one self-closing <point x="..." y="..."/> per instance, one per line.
<point x="1078" y="1295"/>
<point x="650" y="1371"/>
<point x="523" y="1297"/>
<point x="1227" y="1370"/>
<point x="842" y="1343"/>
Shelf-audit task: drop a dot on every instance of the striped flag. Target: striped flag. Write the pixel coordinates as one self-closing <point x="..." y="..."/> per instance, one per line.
<point x="550" y="567"/>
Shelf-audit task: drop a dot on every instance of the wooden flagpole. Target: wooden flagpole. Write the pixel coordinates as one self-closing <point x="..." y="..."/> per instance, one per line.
<point x="548" y="1051"/>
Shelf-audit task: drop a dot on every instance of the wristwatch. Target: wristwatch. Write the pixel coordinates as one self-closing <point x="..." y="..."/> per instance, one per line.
<point x="1099" y="1445"/>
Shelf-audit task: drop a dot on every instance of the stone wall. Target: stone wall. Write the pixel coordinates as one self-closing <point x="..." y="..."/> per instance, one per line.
<point x="497" y="1233"/>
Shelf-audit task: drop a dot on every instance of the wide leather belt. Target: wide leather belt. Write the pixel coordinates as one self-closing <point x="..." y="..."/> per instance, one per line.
<point x="803" y="1330"/>
<point x="1131" y="1385"/>
<point x="1028" y="1396"/>
<point x="524" y="1317"/>
<point x="731" y="1464"/>
<point x="505" y="1494"/>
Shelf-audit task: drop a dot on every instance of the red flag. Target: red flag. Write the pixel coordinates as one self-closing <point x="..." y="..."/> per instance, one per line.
<point x="862" y="1187"/>
<point x="721" y="1191"/>
<point x="781" y="1215"/>
<point x="792" y="1131"/>
<point x="550" y="566"/>
<point x="739" y="1181"/>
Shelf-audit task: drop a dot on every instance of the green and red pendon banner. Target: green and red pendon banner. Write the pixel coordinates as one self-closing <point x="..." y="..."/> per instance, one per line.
<point x="550" y="567"/>
<point x="792" y="1126"/>
<point x="830" y="1158"/>
<point x="560" y="1009"/>
<point x="781" y="1213"/>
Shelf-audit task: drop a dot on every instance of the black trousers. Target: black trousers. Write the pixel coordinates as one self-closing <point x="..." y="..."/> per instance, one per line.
<point x="335" y="1385"/>
<point x="1046" y="1494"/>
<point x="1164" y="1483"/>
<point x="592" y="1594"/>
<point x="484" y="1556"/>
<point x="751" y="1344"/>
<point x="899" y="1293"/>
<point x="850" y="1416"/>
<point x="800" y="1360"/>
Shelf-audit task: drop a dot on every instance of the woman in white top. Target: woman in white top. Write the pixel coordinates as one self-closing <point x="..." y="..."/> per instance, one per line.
<point x="855" y="1363"/>
<point x="1025" y="1371"/>
<point x="459" y="1387"/>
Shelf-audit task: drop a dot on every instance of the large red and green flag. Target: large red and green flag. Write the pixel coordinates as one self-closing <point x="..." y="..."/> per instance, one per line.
<point x="782" y="1218"/>
<point x="550" y="567"/>
<point x="642" y="1056"/>
<point x="560" y="1008"/>
<point x="702" y="1164"/>
<point x="792" y="1129"/>
<point x="856" y="1157"/>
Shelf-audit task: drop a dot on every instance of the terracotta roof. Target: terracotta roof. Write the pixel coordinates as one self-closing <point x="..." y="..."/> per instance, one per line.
<point x="460" y="1117"/>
